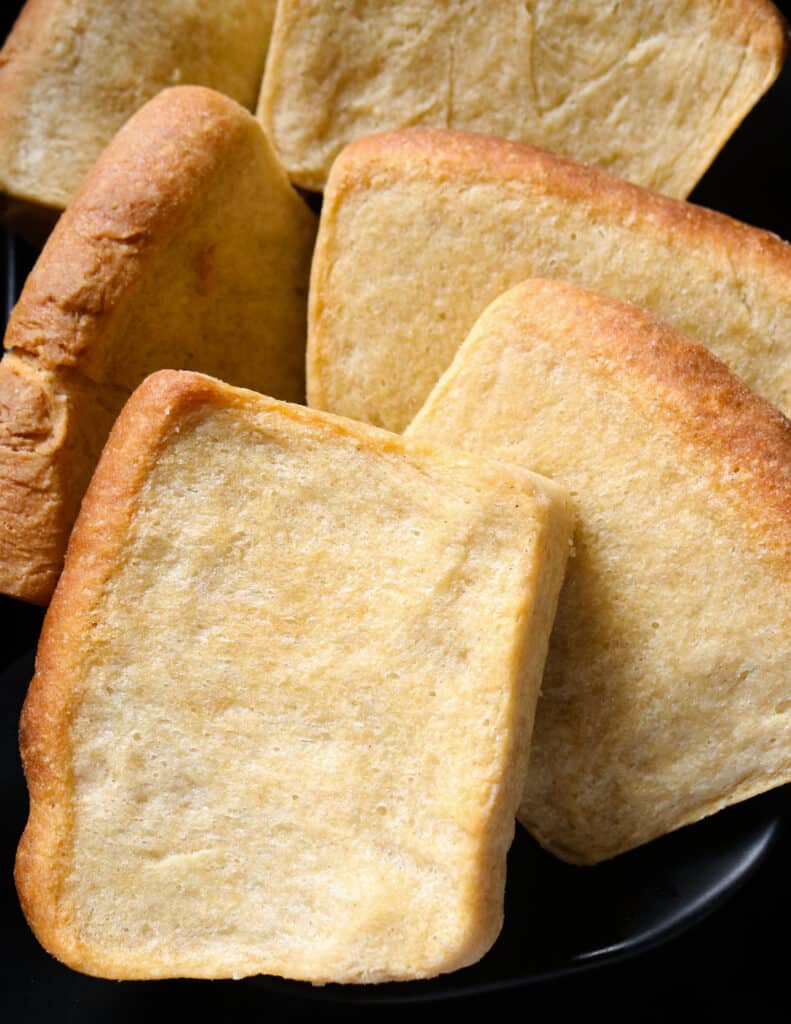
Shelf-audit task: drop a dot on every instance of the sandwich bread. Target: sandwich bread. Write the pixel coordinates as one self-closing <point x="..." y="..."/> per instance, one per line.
<point x="283" y="696"/>
<point x="420" y="230"/>
<point x="649" y="90"/>
<point x="73" y="71"/>
<point x="667" y="690"/>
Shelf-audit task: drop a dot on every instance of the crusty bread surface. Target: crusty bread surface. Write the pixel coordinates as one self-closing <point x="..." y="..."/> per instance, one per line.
<point x="666" y="694"/>
<point x="650" y="90"/>
<point x="283" y="696"/>
<point x="421" y="230"/>
<point x="52" y="425"/>
<point x="73" y="71"/>
<point x="186" y="247"/>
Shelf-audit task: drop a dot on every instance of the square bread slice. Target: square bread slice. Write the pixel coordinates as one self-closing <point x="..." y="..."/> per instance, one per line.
<point x="186" y="248"/>
<point x="667" y="690"/>
<point x="73" y="71"/>
<point x="649" y="89"/>
<point x="421" y="230"/>
<point x="283" y="696"/>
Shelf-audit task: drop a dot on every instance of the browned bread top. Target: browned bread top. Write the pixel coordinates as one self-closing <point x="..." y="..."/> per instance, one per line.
<point x="185" y="247"/>
<point x="421" y="229"/>
<point x="666" y="690"/>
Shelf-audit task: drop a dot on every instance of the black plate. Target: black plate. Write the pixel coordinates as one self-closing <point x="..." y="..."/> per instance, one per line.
<point x="559" y="921"/>
<point x="693" y="920"/>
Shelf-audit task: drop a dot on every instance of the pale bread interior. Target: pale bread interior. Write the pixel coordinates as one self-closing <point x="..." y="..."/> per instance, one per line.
<point x="421" y="230"/>
<point x="294" y="734"/>
<point x="649" y="90"/>
<point x="665" y="694"/>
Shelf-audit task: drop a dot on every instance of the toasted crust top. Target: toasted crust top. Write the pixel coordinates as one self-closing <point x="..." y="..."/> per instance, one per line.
<point x="143" y="185"/>
<point x="432" y="153"/>
<point x="664" y="370"/>
<point x="767" y="27"/>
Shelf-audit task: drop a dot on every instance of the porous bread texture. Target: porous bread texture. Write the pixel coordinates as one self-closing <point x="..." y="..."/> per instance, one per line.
<point x="650" y="90"/>
<point x="185" y="247"/>
<point x="421" y="229"/>
<point x="73" y="71"/>
<point x="52" y="426"/>
<point x="666" y="693"/>
<point x="283" y="696"/>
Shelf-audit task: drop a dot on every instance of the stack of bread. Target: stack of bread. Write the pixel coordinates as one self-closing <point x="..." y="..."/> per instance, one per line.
<point x="305" y="664"/>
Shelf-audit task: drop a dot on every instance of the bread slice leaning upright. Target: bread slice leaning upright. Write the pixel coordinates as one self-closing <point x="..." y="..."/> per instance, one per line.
<point x="649" y="89"/>
<point x="667" y="690"/>
<point x="283" y="696"/>
<point x="420" y="230"/>
<point x="73" y="71"/>
<point x="185" y="248"/>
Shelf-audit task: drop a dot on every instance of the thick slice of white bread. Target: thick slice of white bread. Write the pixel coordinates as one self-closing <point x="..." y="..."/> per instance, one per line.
<point x="283" y="696"/>
<point x="73" y="71"/>
<point x="667" y="690"/>
<point x="186" y="247"/>
<point x="421" y="230"/>
<point x="649" y="89"/>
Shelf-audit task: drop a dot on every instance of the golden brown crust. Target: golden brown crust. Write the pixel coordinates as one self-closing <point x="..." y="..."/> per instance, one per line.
<point x="44" y="744"/>
<point x="141" y="188"/>
<point x="767" y="27"/>
<point x="148" y="268"/>
<point x="704" y="402"/>
<point x="426" y="153"/>
<point x="29" y="419"/>
<point x="50" y="426"/>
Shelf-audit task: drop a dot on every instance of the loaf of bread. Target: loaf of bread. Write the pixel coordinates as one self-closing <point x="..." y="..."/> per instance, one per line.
<point x="667" y="690"/>
<point x="283" y="696"/>
<point x="422" y="229"/>
<point x="650" y="89"/>
<point x="73" y="71"/>
<point x="185" y="247"/>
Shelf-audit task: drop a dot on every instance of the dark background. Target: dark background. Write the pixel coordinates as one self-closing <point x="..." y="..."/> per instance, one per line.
<point x="733" y="962"/>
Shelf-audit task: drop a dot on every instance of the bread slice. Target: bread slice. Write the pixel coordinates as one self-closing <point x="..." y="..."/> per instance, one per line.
<point x="186" y="247"/>
<point x="283" y="696"/>
<point x="421" y="230"/>
<point x="667" y="690"/>
<point x="650" y="90"/>
<point x="53" y="423"/>
<point x="73" y="71"/>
